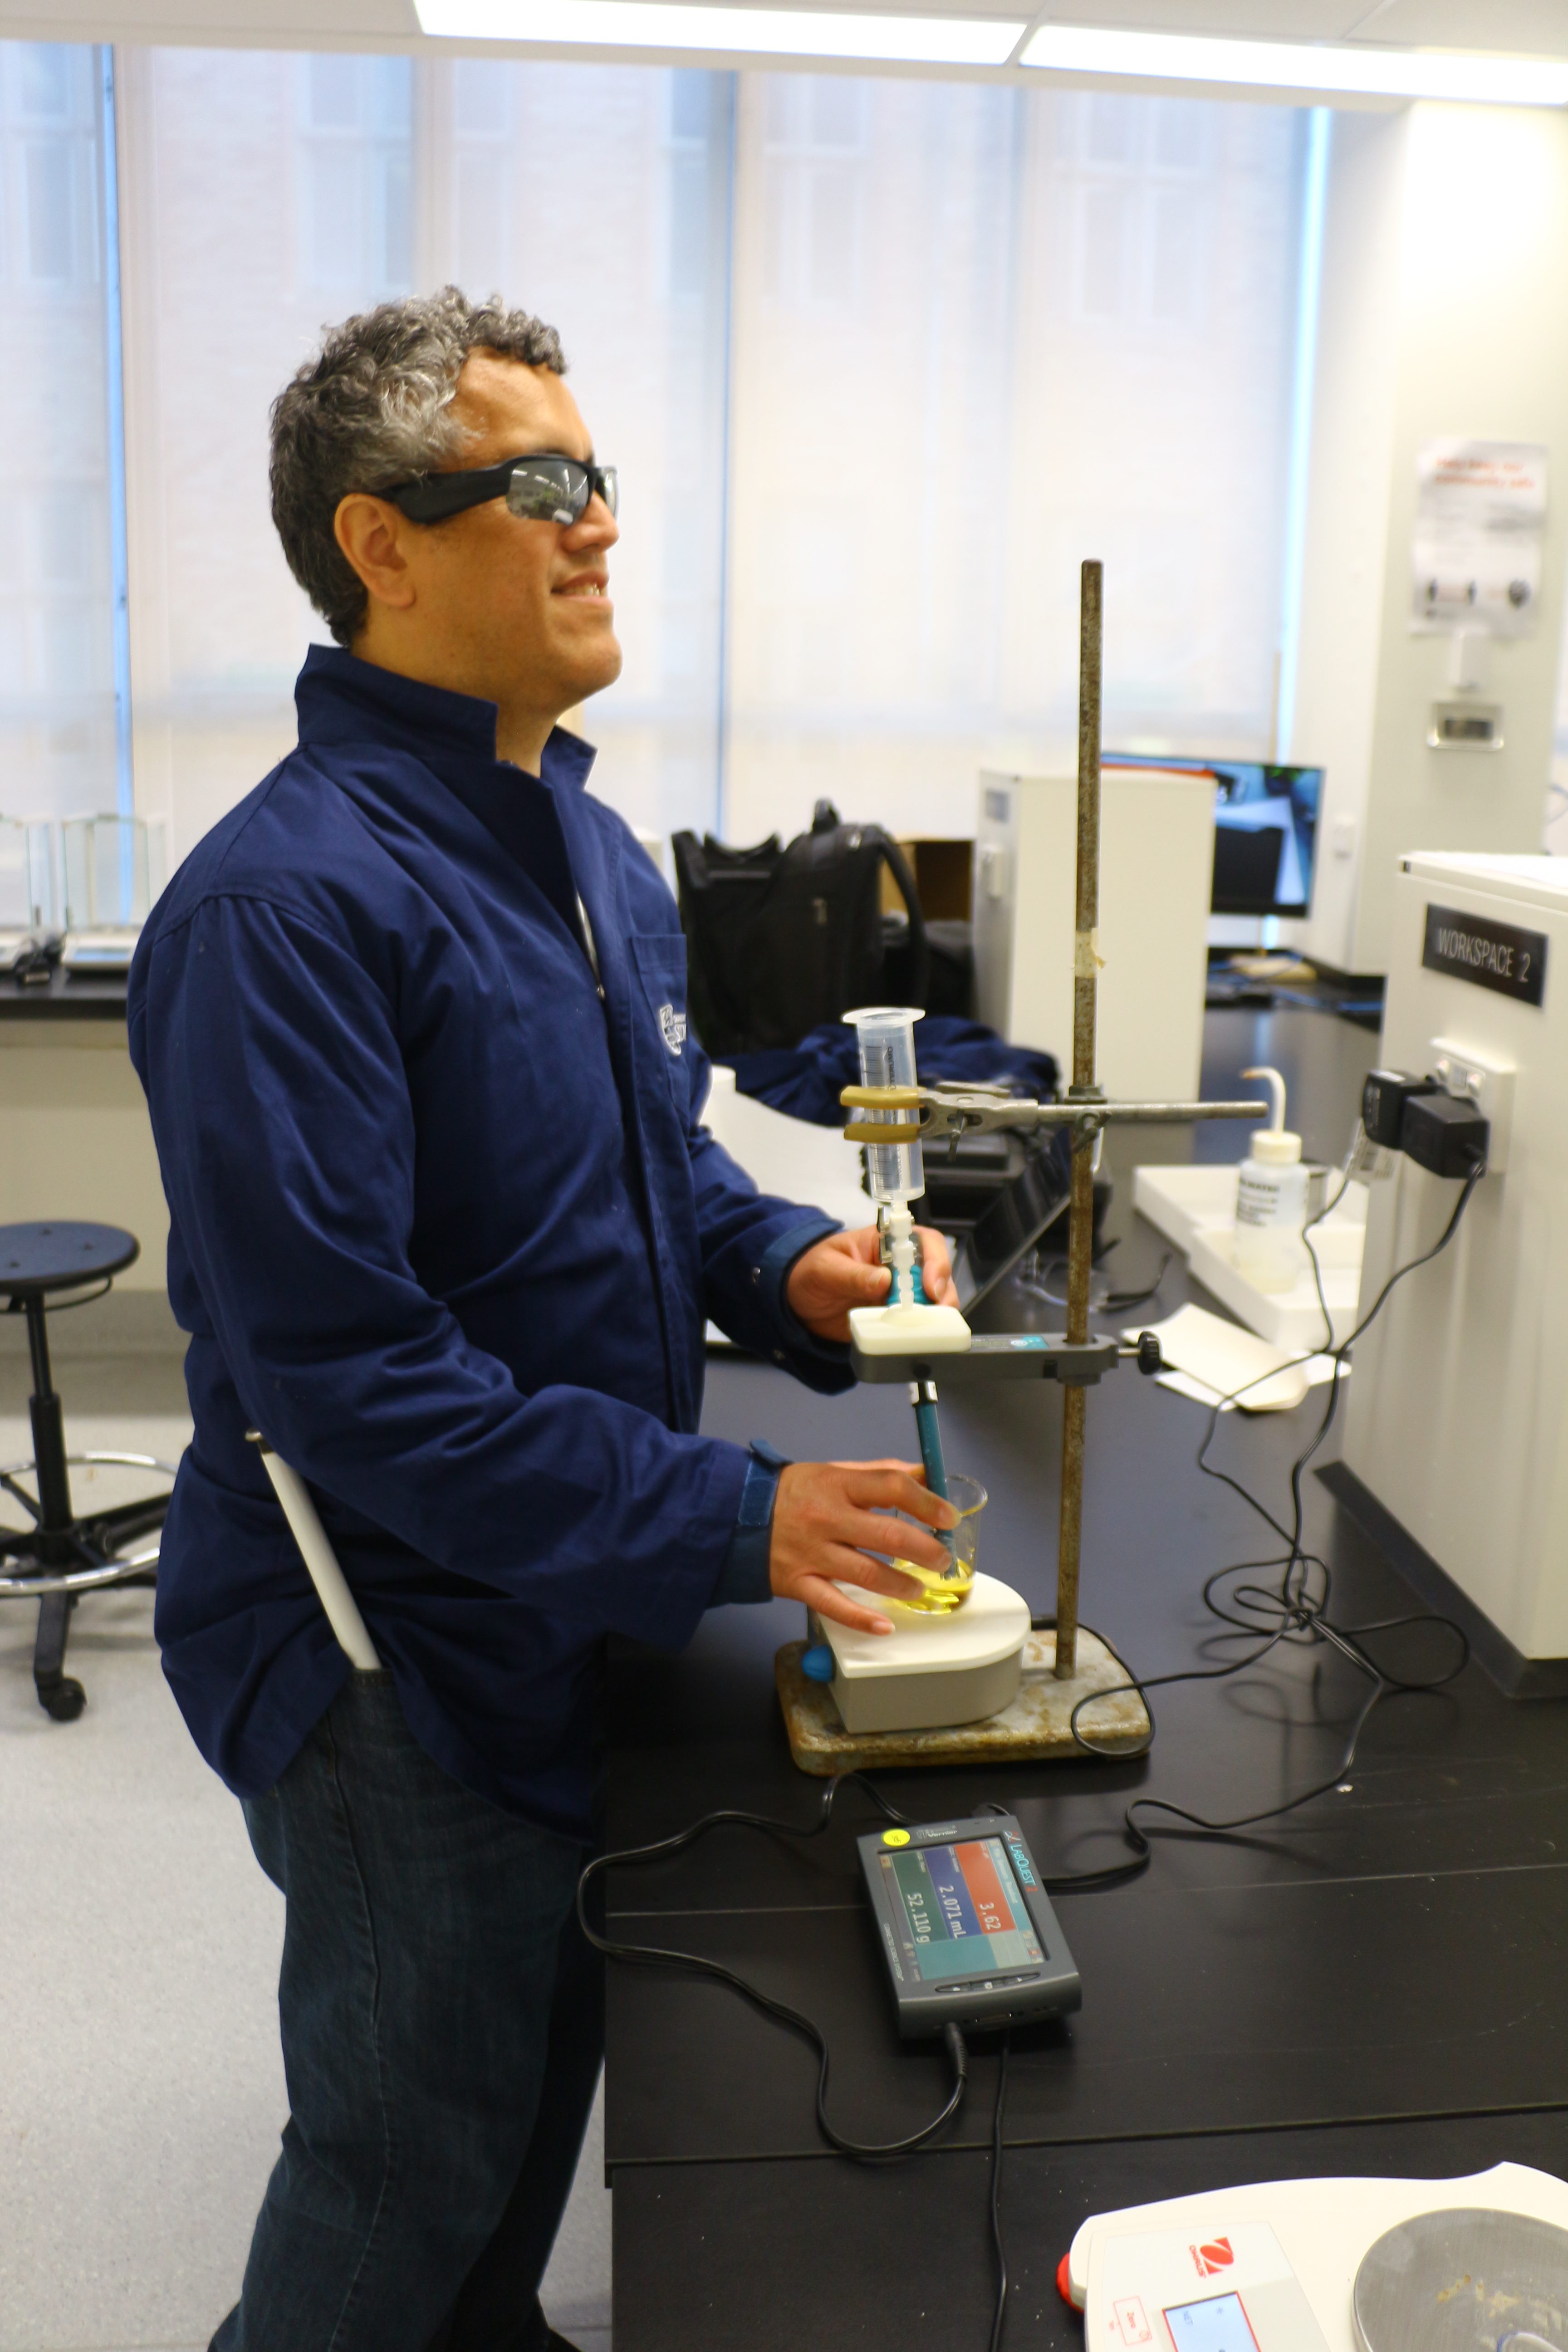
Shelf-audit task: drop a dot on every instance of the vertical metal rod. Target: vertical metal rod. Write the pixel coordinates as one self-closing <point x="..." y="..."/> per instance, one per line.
<point x="1081" y="1211"/>
<point x="1086" y="919"/>
<point x="50" y="1473"/>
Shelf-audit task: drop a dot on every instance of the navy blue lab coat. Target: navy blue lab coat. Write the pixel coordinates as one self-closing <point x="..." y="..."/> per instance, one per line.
<point x="444" y="1227"/>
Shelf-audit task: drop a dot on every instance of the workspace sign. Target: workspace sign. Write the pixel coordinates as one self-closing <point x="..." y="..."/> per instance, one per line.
<point x="1490" y="955"/>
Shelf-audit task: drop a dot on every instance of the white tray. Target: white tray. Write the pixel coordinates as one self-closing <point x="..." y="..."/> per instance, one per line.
<point x="1195" y="1208"/>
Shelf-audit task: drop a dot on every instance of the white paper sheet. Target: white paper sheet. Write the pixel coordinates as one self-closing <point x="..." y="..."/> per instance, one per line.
<point x="1209" y="1359"/>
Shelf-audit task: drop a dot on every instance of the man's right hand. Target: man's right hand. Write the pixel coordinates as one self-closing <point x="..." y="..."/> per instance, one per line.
<point x="826" y="1522"/>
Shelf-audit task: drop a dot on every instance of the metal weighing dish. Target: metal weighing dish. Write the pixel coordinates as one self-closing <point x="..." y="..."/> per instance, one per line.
<point x="1470" y="2280"/>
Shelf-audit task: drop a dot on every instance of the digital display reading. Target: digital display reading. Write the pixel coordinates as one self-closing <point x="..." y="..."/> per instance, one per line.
<point x="958" y="1910"/>
<point x="1220" y="2324"/>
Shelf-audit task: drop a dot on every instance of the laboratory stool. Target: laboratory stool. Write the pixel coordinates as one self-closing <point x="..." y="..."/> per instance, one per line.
<point x="57" y="1556"/>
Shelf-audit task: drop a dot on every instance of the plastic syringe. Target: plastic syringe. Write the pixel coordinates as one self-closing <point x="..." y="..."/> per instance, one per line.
<point x="895" y="1171"/>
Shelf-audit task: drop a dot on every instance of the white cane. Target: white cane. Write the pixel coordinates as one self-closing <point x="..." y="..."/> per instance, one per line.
<point x="316" y="1551"/>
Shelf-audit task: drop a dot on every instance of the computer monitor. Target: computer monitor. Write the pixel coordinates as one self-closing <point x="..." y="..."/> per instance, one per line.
<point x="1266" y="830"/>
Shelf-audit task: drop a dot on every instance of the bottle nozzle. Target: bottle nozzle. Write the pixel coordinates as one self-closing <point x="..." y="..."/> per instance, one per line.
<point x="1276" y="1085"/>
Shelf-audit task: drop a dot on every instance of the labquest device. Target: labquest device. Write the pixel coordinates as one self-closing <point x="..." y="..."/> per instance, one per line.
<point x="966" y="1929"/>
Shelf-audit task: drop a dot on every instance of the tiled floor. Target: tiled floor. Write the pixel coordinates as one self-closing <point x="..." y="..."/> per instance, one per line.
<point x="141" y="2087"/>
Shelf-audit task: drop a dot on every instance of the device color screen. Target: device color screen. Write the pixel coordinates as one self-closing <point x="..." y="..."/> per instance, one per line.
<point x="959" y="1911"/>
<point x="1220" y="2324"/>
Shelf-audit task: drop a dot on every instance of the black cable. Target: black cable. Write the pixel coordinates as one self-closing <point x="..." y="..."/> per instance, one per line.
<point x="1298" y="1613"/>
<point x="654" y="1956"/>
<point x="999" y="2322"/>
<point x="1115" y="1302"/>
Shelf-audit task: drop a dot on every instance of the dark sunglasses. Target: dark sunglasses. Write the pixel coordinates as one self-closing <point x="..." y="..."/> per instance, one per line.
<point x="544" y="489"/>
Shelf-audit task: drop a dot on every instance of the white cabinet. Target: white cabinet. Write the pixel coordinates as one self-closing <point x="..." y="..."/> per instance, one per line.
<point x="1458" y="1411"/>
<point x="1155" y="877"/>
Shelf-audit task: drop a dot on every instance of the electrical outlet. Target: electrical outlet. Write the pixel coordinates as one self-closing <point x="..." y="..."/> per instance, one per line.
<point x="1482" y="1080"/>
<point x="993" y="870"/>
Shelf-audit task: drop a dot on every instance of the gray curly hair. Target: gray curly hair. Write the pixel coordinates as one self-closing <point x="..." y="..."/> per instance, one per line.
<point x="372" y="409"/>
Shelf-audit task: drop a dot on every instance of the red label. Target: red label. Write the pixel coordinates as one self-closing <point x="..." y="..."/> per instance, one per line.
<point x="1214" y="2255"/>
<point x="1131" y="2322"/>
<point x="991" y="1907"/>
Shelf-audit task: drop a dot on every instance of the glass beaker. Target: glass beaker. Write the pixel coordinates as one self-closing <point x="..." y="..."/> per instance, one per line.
<point x="114" y="870"/>
<point x="944" y="1589"/>
<point x="27" y="873"/>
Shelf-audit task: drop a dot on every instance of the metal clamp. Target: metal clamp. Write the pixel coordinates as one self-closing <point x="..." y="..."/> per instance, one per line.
<point x="952" y="1111"/>
<point x="998" y="1356"/>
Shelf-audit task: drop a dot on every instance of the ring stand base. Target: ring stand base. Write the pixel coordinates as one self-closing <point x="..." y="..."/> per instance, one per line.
<point x="1032" y="1730"/>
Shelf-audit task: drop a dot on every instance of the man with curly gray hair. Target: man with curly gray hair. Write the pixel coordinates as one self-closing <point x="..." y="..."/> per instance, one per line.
<point x="444" y="1229"/>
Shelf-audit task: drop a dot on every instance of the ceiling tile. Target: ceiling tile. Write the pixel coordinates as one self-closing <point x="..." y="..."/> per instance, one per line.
<point x="1529" y="29"/>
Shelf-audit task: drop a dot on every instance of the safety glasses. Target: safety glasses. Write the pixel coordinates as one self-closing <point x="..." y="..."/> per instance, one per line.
<point x="543" y="488"/>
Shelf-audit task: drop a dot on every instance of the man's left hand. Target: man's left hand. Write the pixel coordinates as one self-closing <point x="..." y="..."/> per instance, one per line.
<point x="845" y="1270"/>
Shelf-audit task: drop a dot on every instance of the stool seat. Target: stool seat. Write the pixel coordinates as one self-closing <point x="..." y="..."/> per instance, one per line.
<point x="36" y="1259"/>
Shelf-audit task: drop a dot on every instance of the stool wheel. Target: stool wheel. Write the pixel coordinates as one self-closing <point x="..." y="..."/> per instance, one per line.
<point x="64" y="1701"/>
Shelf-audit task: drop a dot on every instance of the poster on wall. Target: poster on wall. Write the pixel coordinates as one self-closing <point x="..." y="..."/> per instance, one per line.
<point x="1481" y="521"/>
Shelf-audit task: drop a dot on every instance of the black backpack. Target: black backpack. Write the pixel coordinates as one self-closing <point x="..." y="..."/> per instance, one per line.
<point x="780" y="940"/>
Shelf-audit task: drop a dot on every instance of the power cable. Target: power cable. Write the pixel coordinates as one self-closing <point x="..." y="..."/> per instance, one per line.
<point x="653" y="1956"/>
<point x="1298" y="1614"/>
<point x="999" y="2322"/>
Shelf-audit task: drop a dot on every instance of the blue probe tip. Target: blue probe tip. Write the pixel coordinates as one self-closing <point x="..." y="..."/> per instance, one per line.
<point x="816" y="1665"/>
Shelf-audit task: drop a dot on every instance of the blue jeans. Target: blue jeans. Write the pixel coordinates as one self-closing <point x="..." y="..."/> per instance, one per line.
<point x="443" y="2025"/>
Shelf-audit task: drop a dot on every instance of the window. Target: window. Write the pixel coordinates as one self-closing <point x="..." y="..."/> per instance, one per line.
<point x="813" y="181"/>
<point x="879" y="359"/>
<point x="1141" y="170"/>
<point x="280" y="192"/>
<point x="356" y="180"/>
<point x="57" y="689"/>
<point x="1050" y="353"/>
<point x="481" y="129"/>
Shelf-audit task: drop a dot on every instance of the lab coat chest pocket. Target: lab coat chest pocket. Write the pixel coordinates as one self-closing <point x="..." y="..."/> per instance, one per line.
<point x="662" y="968"/>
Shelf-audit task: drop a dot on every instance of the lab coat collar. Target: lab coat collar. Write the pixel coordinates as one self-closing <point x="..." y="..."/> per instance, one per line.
<point x="341" y="699"/>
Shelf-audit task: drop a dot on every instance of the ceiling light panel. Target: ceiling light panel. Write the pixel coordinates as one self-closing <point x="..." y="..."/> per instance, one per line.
<point x="763" y="32"/>
<point x="1327" y="68"/>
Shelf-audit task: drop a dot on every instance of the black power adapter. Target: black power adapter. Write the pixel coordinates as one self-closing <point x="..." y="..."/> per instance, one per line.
<point x="1441" y="1133"/>
<point x="1383" y="1097"/>
<point x="1444" y="1134"/>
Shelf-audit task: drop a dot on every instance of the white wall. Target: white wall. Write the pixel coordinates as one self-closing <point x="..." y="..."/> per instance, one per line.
<point x="76" y="1140"/>
<point x="1445" y="254"/>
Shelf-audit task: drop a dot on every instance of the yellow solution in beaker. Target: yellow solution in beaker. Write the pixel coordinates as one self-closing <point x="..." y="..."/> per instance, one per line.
<point x="943" y="1591"/>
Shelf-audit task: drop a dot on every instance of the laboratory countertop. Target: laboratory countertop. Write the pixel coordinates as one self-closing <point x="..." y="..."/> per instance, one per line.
<point x="64" y="996"/>
<point x="1368" y="1984"/>
<point x="777" y="2256"/>
<point x="1377" y="1953"/>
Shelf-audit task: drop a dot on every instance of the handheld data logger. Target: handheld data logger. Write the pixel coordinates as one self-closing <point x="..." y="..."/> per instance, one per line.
<point x="966" y="1928"/>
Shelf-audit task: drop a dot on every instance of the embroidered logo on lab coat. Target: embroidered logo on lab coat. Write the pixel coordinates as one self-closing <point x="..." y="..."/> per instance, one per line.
<point x="672" y="1028"/>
